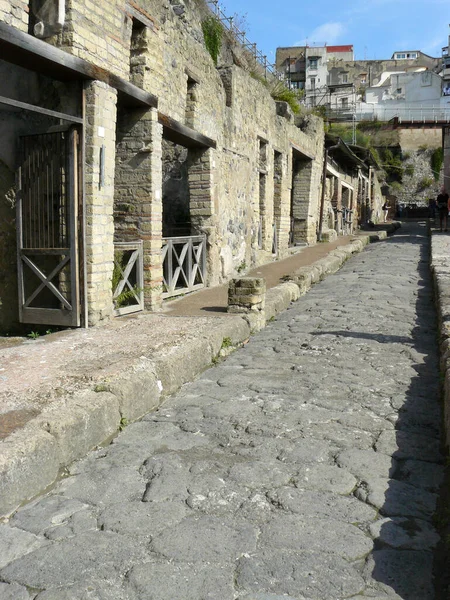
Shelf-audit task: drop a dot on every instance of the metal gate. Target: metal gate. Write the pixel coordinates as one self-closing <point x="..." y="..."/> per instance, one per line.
<point x="47" y="228"/>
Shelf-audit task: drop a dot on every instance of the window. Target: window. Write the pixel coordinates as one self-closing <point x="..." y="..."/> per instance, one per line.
<point x="344" y="77"/>
<point x="399" y="90"/>
<point x="363" y="78"/>
<point x="313" y="83"/>
<point x="313" y="63"/>
<point x="344" y="102"/>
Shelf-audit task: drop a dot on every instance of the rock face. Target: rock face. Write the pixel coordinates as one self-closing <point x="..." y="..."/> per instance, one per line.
<point x="293" y="469"/>
<point x="419" y="182"/>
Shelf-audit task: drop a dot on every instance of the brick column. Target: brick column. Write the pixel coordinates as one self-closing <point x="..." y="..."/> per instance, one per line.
<point x="281" y="204"/>
<point x="138" y="197"/>
<point x="203" y="204"/>
<point x="246" y="294"/>
<point x="100" y="136"/>
<point x="301" y="186"/>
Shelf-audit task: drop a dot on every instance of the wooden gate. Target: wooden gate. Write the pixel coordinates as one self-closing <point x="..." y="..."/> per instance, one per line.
<point x="47" y="228"/>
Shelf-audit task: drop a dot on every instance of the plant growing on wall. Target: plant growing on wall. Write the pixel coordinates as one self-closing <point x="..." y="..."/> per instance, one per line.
<point x="392" y="164"/>
<point x="281" y="93"/>
<point x="424" y="183"/>
<point x="437" y="160"/>
<point x="409" y="170"/>
<point x="127" y="296"/>
<point x="212" y="34"/>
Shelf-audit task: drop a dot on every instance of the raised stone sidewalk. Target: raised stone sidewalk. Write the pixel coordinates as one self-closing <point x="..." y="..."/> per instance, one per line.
<point x="64" y="394"/>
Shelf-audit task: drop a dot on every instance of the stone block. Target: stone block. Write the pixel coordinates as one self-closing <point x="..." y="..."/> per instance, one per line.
<point x="29" y="462"/>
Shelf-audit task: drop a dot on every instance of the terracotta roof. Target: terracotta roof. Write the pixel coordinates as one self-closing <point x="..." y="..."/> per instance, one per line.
<point x="348" y="48"/>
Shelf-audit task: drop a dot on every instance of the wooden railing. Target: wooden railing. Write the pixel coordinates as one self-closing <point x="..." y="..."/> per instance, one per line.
<point x="128" y="278"/>
<point x="184" y="264"/>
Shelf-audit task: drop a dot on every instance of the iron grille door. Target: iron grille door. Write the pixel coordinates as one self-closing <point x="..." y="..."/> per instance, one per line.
<point x="47" y="229"/>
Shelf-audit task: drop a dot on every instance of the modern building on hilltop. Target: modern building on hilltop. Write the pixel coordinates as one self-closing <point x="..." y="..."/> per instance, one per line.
<point x="331" y="77"/>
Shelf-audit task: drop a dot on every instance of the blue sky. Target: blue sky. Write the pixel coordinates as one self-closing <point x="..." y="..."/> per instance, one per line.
<point x="376" y="28"/>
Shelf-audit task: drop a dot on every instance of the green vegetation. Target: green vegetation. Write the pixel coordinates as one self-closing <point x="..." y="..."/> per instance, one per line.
<point x="395" y="186"/>
<point x="409" y="170"/>
<point x="281" y="93"/>
<point x="123" y="423"/>
<point x="226" y="343"/>
<point x="424" y="183"/>
<point x="392" y="164"/>
<point x="127" y="296"/>
<point x="345" y="132"/>
<point x="101" y="387"/>
<point x="212" y="34"/>
<point x="241" y="268"/>
<point x="34" y="335"/>
<point x="370" y="125"/>
<point x="437" y="160"/>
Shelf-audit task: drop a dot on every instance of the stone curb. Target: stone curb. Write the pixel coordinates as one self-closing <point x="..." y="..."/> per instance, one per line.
<point x="440" y="269"/>
<point x="34" y="457"/>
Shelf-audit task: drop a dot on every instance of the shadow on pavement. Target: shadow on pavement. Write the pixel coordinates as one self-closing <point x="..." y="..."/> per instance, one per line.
<point x="406" y="554"/>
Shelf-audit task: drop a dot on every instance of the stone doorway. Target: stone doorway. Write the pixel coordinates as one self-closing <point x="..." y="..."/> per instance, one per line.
<point x="300" y="198"/>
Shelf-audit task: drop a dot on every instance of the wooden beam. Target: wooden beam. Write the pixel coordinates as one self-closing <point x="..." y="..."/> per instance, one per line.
<point x="40" y="110"/>
<point x="185" y="136"/>
<point x="36" y="55"/>
<point x="296" y="149"/>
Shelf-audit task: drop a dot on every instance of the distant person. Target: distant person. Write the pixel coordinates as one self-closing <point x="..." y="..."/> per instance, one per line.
<point x="385" y="208"/>
<point x="442" y="205"/>
<point x="432" y="207"/>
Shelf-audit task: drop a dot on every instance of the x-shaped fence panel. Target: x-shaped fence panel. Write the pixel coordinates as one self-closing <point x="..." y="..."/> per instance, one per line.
<point x="184" y="264"/>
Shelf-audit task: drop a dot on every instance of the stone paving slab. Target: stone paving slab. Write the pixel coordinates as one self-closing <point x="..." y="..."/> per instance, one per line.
<point x="232" y="491"/>
<point x="63" y="394"/>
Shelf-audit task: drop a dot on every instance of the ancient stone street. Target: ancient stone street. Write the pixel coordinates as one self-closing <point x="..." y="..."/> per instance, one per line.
<point x="305" y="466"/>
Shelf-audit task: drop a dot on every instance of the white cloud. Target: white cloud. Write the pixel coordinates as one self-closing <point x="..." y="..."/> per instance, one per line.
<point x="328" y="33"/>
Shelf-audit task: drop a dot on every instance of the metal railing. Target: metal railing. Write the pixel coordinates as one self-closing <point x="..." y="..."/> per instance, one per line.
<point x="410" y="114"/>
<point x="229" y="23"/>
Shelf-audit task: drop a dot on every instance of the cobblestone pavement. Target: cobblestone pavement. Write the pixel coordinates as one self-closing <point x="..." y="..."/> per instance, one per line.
<point x="304" y="467"/>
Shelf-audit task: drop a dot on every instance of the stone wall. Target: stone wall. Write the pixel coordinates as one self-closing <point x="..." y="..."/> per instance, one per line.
<point x="414" y="139"/>
<point x="99" y="32"/>
<point x="15" y="13"/>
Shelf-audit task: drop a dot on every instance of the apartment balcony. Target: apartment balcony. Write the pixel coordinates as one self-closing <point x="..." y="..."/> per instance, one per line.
<point x="446" y="70"/>
<point x="298" y="76"/>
